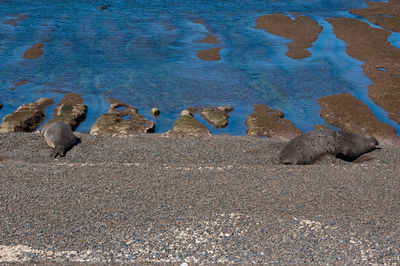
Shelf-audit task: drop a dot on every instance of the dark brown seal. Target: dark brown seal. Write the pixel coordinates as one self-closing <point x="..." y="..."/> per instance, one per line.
<point x="308" y="147"/>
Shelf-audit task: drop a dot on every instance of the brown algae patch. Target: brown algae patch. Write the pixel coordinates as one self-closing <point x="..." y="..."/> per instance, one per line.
<point x="382" y="61"/>
<point x="34" y="52"/>
<point x="302" y="30"/>
<point x="352" y="115"/>
<point x="386" y="15"/>
<point x="20" y="17"/>
<point x="211" y="39"/>
<point x="19" y="83"/>
<point x="211" y="54"/>
<point x="268" y="122"/>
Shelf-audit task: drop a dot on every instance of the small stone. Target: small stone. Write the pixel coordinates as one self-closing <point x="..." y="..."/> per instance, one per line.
<point x="155" y="111"/>
<point x="225" y="108"/>
<point x="186" y="112"/>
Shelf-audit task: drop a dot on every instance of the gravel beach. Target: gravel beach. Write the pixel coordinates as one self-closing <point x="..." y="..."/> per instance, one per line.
<point x="198" y="200"/>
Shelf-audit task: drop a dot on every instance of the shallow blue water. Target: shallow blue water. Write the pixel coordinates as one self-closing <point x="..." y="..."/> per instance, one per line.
<point x="144" y="54"/>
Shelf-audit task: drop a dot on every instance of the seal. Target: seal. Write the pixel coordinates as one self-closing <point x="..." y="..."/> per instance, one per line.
<point x="351" y="146"/>
<point x="308" y="147"/>
<point x="58" y="136"/>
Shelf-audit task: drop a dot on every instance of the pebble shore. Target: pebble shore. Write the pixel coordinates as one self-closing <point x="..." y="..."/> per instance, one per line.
<point x="218" y="199"/>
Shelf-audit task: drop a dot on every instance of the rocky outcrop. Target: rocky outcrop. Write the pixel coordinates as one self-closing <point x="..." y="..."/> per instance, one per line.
<point x="302" y="30"/>
<point x="187" y="125"/>
<point x="268" y="122"/>
<point x="121" y="120"/>
<point x="71" y="110"/>
<point x="218" y="117"/>
<point x="34" y="52"/>
<point x="27" y="117"/>
<point x="352" y="115"/>
<point x="382" y="61"/>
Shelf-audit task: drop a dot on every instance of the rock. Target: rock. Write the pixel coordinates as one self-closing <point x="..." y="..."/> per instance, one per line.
<point x="215" y="116"/>
<point x="270" y="123"/>
<point x="113" y="122"/>
<point x="155" y="111"/>
<point x="27" y="117"/>
<point x="225" y="108"/>
<point x="352" y="115"/>
<point x="71" y="111"/>
<point x="1" y="106"/>
<point x="187" y="125"/>
<point x="186" y="112"/>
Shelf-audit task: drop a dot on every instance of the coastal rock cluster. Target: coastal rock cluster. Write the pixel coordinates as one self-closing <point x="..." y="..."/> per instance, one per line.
<point x="342" y="111"/>
<point x="121" y="120"/>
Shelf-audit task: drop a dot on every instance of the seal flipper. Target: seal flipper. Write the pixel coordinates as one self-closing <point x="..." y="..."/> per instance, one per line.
<point x="58" y="150"/>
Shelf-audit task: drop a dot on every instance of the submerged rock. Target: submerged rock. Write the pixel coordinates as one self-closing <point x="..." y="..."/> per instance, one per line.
<point x="114" y="123"/>
<point x="218" y="117"/>
<point x="71" y="111"/>
<point x="211" y="54"/>
<point x="27" y="117"/>
<point x="268" y="122"/>
<point x="187" y="125"/>
<point x="350" y="114"/>
<point x="1" y="106"/>
<point x="34" y="52"/>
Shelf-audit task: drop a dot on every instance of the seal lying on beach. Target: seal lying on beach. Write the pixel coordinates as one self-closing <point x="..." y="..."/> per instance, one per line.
<point x="58" y="136"/>
<point x="307" y="147"/>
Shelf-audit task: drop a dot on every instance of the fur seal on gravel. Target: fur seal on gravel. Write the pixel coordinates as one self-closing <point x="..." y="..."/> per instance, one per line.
<point x="58" y="136"/>
<point x="307" y="147"/>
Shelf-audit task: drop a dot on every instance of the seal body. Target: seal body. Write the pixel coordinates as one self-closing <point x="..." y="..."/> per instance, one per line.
<point x="350" y="146"/>
<point x="309" y="146"/>
<point x="58" y="136"/>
